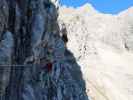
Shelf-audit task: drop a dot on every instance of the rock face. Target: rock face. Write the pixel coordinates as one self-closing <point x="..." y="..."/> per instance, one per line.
<point x="35" y="63"/>
<point x="102" y="45"/>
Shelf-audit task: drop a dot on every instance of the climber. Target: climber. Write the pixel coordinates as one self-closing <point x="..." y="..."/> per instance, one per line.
<point x="48" y="65"/>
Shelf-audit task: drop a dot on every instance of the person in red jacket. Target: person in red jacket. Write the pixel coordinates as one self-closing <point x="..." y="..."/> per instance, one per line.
<point x="47" y="67"/>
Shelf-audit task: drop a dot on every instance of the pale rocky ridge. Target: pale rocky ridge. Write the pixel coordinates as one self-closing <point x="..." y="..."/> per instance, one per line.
<point x="103" y="47"/>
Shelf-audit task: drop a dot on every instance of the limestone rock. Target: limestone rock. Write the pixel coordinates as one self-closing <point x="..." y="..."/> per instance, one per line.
<point x="102" y="45"/>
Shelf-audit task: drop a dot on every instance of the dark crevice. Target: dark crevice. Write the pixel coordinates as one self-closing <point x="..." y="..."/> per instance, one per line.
<point x="22" y="45"/>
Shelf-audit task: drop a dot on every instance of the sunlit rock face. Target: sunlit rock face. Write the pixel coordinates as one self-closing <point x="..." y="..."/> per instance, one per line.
<point x="35" y="63"/>
<point x="102" y="45"/>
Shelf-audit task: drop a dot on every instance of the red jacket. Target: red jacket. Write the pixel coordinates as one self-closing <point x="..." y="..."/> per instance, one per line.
<point x="48" y="67"/>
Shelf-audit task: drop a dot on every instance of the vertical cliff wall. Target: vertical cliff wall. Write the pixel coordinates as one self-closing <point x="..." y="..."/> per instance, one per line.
<point x="34" y="61"/>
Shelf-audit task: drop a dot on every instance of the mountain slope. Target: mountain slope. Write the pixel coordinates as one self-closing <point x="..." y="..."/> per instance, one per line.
<point x="103" y="46"/>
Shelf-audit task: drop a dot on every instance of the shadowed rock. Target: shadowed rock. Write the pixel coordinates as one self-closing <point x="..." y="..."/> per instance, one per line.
<point x="40" y="66"/>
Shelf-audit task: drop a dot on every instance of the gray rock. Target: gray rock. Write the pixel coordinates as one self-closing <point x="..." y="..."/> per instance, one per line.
<point x="6" y="49"/>
<point x="3" y="16"/>
<point x="6" y="46"/>
<point x="129" y="42"/>
<point x="28" y="93"/>
<point x="41" y="69"/>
